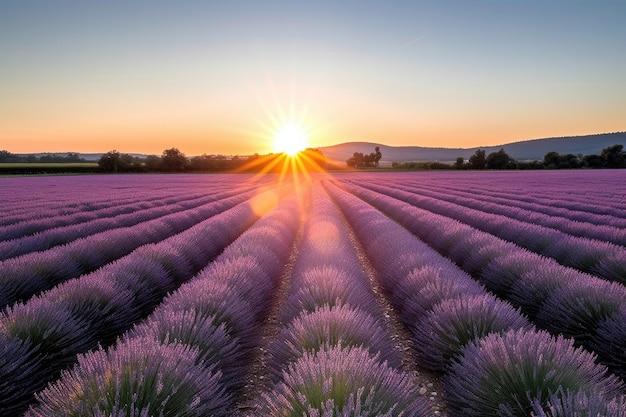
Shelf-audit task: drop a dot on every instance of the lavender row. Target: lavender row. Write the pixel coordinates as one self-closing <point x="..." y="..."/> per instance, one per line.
<point x="584" y="191"/>
<point x="534" y="204"/>
<point x="41" y="209"/>
<point x="64" y="235"/>
<point x="599" y="258"/>
<point x="45" y="334"/>
<point x="426" y="288"/>
<point x="334" y="354"/>
<point x="459" y="329"/>
<point x="190" y="357"/>
<point x="44" y="220"/>
<point x="559" y="299"/>
<point x="589" y="227"/>
<point x="23" y="276"/>
<point x="600" y="192"/>
<point x="45" y="194"/>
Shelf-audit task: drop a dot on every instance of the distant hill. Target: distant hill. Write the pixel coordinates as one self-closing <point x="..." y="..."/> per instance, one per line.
<point x="528" y="150"/>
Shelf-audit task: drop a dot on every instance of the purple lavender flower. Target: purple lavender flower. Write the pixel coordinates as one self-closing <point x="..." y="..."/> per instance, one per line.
<point x="21" y="371"/>
<point x="441" y="336"/>
<point x="518" y="368"/>
<point x="609" y="342"/>
<point x="325" y="286"/>
<point x="576" y="308"/>
<point x="138" y="376"/>
<point x="215" y="345"/>
<point x="341" y="325"/>
<point x="423" y="288"/>
<point x="580" y="404"/>
<point x="342" y="379"/>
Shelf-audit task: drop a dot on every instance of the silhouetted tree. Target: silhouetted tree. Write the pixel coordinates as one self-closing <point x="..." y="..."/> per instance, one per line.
<point x="152" y="163"/>
<point x="360" y="160"/>
<point x="555" y="160"/>
<point x="173" y="160"/>
<point x="498" y="160"/>
<point x="356" y="161"/>
<point x="478" y="160"/>
<point x="377" y="155"/>
<point x="593" y="161"/>
<point x="6" y="156"/>
<point x="110" y="161"/>
<point x="113" y="161"/>
<point x="614" y="156"/>
<point x="458" y="164"/>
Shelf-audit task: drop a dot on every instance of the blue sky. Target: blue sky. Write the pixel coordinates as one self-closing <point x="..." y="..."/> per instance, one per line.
<point x="221" y="77"/>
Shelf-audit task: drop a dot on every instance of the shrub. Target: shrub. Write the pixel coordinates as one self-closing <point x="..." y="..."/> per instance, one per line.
<point x="106" y="308"/>
<point x="537" y="284"/>
<point x="478" y="251"/>
<point x="21" y="372"/>
<point x="50" y="329"/>
<point x="342" y="379"/>
<point x="609" y="342"/>
<point x="422" y="289"/>
<point x="139" y="376"/>
<point x="343" y="326"/>
<point x="612" y="267"/>
<point x="215" y="346"/>
<point x="145" y="278"/>
<point x="441" y="336"/>
<point x="325" y="286"/>
<point x="518" y="369"/>
<point x="167" y="254"/>
<point x="502" y="273"/>
<point x="580" y="404"/>
<point x="576" y="308"/>
<point x="211" y="298"/>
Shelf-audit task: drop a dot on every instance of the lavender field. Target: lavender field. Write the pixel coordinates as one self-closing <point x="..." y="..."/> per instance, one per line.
<point x="354" y="294"/>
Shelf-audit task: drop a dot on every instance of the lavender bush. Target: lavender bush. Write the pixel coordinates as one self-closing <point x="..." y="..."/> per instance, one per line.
<point x="342" y="325"/>
<point x="515" y="370"/>
<point x="346" y="381"/>
<point x="576" y="308"/>
<point x="138" y="376"/>
<point x="580" y="404"/>
<point x="442" y="335"/>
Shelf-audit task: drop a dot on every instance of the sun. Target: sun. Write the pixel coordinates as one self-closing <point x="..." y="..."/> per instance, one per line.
<point x="290" y="139"/>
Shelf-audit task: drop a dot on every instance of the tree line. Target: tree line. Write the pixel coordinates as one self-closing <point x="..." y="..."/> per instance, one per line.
<point x="360" y="160"/>
<point x="610" y="157"/>
<point x="8" y="157"/>
<point x="173" y="160"/>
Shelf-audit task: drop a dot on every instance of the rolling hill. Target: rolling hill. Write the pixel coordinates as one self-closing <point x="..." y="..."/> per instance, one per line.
<point x="522" y="151"/>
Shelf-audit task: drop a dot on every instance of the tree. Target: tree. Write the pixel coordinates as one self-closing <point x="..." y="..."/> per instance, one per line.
<point x="498" y="160"/>
<point x="614" y="156"/>
<point x="110" y="161"/>
<point x="478" y="160"/>
<point x="555" y="160"/>
<point x="6" y="156"/>
<point x="356" y="161"/>
<point x="377" y="155"/>
<point x="552" y="160"/>
<point x="173" y="160"/>
<point x="593" y="161"/>
<point x="359" y="160"/>
<point x="113" y="161"/>
<point x="152" y="163"/>
<point x="458" y="164"/>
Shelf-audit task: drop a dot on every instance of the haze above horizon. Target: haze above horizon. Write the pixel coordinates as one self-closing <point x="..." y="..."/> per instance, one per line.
<point x="207" y="77"/>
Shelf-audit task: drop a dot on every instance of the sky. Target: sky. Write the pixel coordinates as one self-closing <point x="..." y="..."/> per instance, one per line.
<point x="223" y="77"/>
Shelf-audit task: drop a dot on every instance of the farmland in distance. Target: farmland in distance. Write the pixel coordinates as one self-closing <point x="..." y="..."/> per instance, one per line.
<point x="356" y="294"/>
